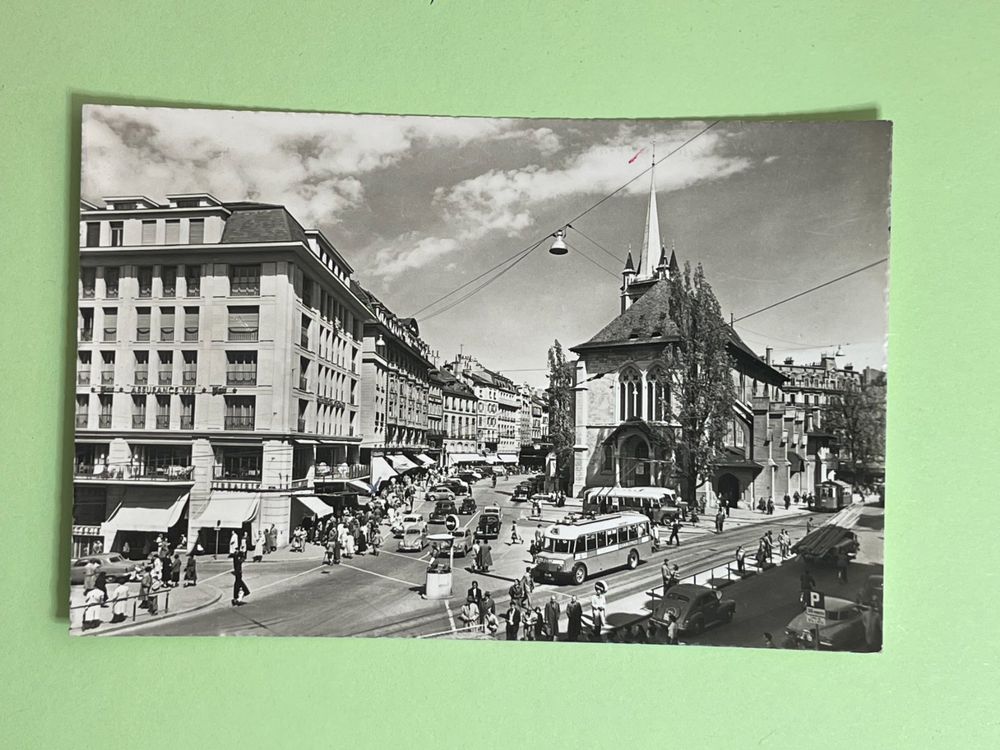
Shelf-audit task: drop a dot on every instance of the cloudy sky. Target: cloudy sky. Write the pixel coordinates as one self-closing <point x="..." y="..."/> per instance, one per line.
<point x="422" y="205"/>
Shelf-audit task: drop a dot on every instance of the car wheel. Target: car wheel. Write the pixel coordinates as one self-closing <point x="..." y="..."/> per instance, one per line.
<point x="633" y="560"/>
<point x="579" y="573"/>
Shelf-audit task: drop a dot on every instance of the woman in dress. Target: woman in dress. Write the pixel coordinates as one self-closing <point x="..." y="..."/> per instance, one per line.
<point x="92" y="613"/>
<point x="119" y="608"/>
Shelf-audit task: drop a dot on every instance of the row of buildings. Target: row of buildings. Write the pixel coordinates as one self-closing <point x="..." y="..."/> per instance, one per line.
<point x="232" y="374"/>
<point x="776" y="443"/>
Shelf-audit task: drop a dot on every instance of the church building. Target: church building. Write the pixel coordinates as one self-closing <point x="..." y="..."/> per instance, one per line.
<point x="622" y="398"/>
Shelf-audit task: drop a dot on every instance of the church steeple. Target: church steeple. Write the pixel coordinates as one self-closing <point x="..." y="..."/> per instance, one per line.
<point x="651" y="244"/>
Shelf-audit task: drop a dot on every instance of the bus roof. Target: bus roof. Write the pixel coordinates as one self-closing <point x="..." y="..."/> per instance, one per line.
<point x="596" y="493"/>
<point x="590" y="525"/>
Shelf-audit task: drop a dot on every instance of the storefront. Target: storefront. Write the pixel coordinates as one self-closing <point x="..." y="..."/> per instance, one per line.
<point x="225" y="513"/>
<point x="143" y="514"/>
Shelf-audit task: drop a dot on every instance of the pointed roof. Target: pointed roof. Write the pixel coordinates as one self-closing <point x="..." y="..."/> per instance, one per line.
<point x="645" y="321"/>
<point x="628" y="263"/>
<point x="663" y="257"/>
<point x="651" y="235"/>
<point x="674" y="267"/>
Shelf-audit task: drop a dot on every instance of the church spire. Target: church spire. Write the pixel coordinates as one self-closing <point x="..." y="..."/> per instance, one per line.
<point x="649" y="255"/>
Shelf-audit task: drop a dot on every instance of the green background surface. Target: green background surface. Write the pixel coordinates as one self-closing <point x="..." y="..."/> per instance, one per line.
<point x="929" y="66"/>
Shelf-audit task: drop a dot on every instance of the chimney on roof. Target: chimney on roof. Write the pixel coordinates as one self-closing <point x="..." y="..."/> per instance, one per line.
<point x="789" y="361"/>
<point x="767" y="354"/>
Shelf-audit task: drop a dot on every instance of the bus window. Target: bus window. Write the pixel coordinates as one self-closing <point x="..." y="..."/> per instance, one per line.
<point x="612" y="537"/>
<point x="591" y="542"/>
<point x="564" y="546"/>
<point x="602" y="539"/>
<point x="644" y="529"/>
<point x="633" y="533"/>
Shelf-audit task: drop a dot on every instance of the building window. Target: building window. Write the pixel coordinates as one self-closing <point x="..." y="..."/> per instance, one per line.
<point x="142" y="315"/>
<point x="117" y="233"/>
<point x="303" y="407"/>
<point x="149" y="232"/>
<point x="165" y="372"/>
<point x="187" y="412"/>
<point x="608" y="459"/>
<point x="240" y="463"/>
<point x="190" y="373"/>
<point x="141" y="376"/>
<point x="190" y="323"/>
<point x="244" y="281"/>
<point x="657" y="396"/>
<point x="93" y="238"/>
<point x="139" y="412"/>
<point x="166" y="324"/>
<point x="145" y="276"/>
<point x="240" y="412"/>
<point x="243" y="323"/>
<point x="196" y="232"/>
<point x="303" y="374"/>
<point x="304" y="332"/>
<point x="111" y="275"/>
<point x="307" y="291"/>
<point x="83" y="362"/>
<point x="82" y="410"/>
<point x="168" y="278"/>
<point x="107" y="368"/>
<point x="88" y="282"/>
<point x="192" y="280"/>
<point x="110" y="324"/>
<point x="86" y="324"/>
<point x="163" y="412"/>
<point x="629" y="394"/>
<point x="173" y="233"/>
<point x="104" y="416"/>
<point x="241" y="368"/>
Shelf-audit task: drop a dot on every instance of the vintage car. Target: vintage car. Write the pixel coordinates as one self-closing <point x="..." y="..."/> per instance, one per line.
<point x="457" y="486"/>
<point x="470" y="477"/>
<point x="404" y="520"/>
<point x="522" y="493"/>
<point x="414" y="536"/>
<point x="845" y="628"/>
<point x="695" y="607"/>
<point x="440" y="492"/>
<point x="442" y="509"/>
<point x="467" y="506"/>
<point x="462" y="544"/>
<point x="115" y="567"/>
<point x="489" y="523"/>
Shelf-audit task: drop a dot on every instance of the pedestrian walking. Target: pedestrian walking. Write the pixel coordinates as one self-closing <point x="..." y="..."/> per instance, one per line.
<point x="784" y="543"/>
<point x="725" y="505"/>
<point x="551" y="617"/>
<point x="190" y="571"/>
<point x="538" y="624"/>
<point x="741" y="560"/>
<point x="175" y="570"/>
<point x="89" y="575"/>
<point x="673" y="579"/>
<point x="529" y="624"/>
<point x="485" y="559"/>
<point x="476" y="547"/>
<point x="474" y="594"/>
<point x="234" y="544"/>
<point x="93" y="600"/>
<point x="720" y="519"/>
<point x="665" y="573"/>
<point x="675" y="530"/>
<point x="513" y="618"/>
<point x="598" y="608"/>
<point x="469" y="615"/>
<point x="574" y="619"/>
<point x="788" y="501"/>
<point x="240" y="589"/>
<point x="375" y="539"/>
<point x="488" y="605"/>
<point x="147" y="599"/>
<point x="770" y="506"/>
<point x="809" y="526"/>
<point x="328" y="555"/>
<point x="260" y="545"/>
<point x="514" y="537"/>
<point x="119" y="603"/>
<point x="272" y="538"/>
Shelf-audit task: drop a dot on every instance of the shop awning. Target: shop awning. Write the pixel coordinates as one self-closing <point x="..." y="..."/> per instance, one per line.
<point x="425" y="459"/>
<point x="382" y="471"/>
<point x="490" y="459"/>
<point x="401" y="463"/>
<point x="361" y="486"/>
<point x="143" y="514"/>
<point x="508" y="458"/>
<point x="228" y="510"/>
<point x="304" y="441"/>
<point x="464" y="458"/>
<point x="314" y="504"/>
<point x="796" y="461"/>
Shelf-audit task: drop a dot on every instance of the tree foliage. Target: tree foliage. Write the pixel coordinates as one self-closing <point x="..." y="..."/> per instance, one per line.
<point x="699" y="367"/>
<point x="560" y="397"/>
<point x="857" y="417"/>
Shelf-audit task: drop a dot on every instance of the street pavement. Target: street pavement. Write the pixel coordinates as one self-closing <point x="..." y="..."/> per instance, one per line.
<point x="382" y="596"/>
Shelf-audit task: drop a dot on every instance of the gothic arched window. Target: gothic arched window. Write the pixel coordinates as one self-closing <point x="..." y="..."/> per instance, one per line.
<point x="629" y="393"/>
<point x="657" y="396"/>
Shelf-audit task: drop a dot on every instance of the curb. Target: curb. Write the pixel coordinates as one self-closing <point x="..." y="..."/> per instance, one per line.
<point x="160" y="618"/>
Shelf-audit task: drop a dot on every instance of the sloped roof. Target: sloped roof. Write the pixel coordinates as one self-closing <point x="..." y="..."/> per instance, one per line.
<point x="646" y="321"/>
<point x="261" y="223"/>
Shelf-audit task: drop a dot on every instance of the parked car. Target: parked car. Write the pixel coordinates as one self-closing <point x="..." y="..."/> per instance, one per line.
<point x="844" y="629"/>
<point x="695" y="607"/>
<point x="115" y="567"/>
<point x="489" y="523"/>
<point x="442" y="509"/>
<point x="414" y="536"/>
<point x="403" y="521"/>
<point x="467" y="506"/>
<point x="521" y="493"/>
<point x="457" y="486"/>
<point x="440" y="492"/>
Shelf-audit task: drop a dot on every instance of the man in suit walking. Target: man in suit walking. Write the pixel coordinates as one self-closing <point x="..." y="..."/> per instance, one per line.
<point x="574" y="614"/>
<point x="240" y="589"/>
<point x="551" y="616"/>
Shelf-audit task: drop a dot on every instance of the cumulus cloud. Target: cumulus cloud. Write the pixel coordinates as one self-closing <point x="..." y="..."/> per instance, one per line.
<point x="407" y="253"/>
<point x="503" y="200"/>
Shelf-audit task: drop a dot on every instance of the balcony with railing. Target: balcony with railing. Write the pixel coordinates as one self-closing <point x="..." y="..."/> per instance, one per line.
<point x="83" y="377"/>
<point x="174" y="470"/>
<point x="341" y="472"/>
<point x="235" y="477"/>
<point x="239" y="423"/>
<point x="189" y="377"/>
<point x="107" y="377"/>
<point x="163" y="421"/>
<point x="165" y="377"/>
<point x="187" y="422"/>
<point x="138" y="421"/>
<point x="242" y="334"/>
<point x="241" y="377"/>
<point x="141" y="377"/>
<point x="104" y="421"/>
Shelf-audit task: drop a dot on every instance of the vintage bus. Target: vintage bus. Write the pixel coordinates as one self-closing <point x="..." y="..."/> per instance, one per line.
<point x="573" y="551"/>
<point x="658" y="504"/>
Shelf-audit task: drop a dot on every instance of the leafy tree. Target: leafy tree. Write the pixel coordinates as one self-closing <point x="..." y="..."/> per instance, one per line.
<point x="561" y="418"/>
<point x="857" y="417"/>
<point x="699" y="368"/>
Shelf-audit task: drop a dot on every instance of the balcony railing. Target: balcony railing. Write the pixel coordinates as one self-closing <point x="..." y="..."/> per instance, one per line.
<point x="110" y="334"/>
<point x="245" y="289"/>
<point x="107" y="377"/>
<point x="141" y="377"/>
<point x="142" y="334"/>
<point x="83" y="377"/>
<point x="139" y="421"/>
<point x="104" y="420"/>
<point x="239" y="423"/>
<point x="187" y="422"/>
<point x="81" y="421"/>
<point x="241" y="377"/>
<point x="167" y="333"/>
<point x="193" y="287"/>
<point x="334" y="473"/>
<point x="163" y="421"/>
<point x="159" y="471"/>
<point x="165" y="378"/>
<point x="86" y="334"/>
<point x="191" y="333"/>
<point x="145" y="291"/>
<point x="242" y="334"/>
<point x="169" y="291"/>
<point x="189" y="377"/>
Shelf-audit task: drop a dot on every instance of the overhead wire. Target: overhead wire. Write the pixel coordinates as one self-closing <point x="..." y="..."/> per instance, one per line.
<point x="587" y="257"/>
